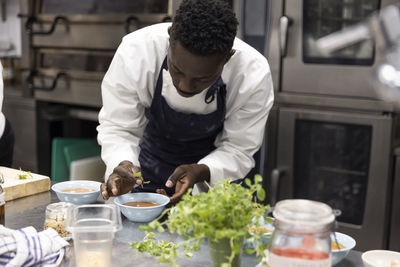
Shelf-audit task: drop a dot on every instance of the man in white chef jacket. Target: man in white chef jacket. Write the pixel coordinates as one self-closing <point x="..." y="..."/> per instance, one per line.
<point x="6" y="132"/>
<point x="184" y="103"/>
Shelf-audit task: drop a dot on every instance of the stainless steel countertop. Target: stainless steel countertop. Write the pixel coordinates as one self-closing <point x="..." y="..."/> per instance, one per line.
<point x="30" y="211"/>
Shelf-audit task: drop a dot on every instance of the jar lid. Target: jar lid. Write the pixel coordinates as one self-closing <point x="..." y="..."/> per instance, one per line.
<point x="302" y="212"/>
<point x="59" y="207"/>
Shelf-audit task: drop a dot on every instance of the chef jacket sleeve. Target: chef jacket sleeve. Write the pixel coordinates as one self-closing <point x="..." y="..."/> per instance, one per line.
<point x="125" y="97"/>
<point x="244" y="127"/>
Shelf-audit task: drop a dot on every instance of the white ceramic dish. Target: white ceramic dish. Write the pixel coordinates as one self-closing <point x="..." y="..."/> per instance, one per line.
<point x="141" y="214"/>
<point x="381" y="258"/>
<point x="347" y="241"/>
<point x="268" y="225"/>
<point x="77" y="198"/>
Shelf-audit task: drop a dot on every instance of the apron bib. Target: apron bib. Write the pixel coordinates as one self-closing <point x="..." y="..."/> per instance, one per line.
<point x="172" y="138"/>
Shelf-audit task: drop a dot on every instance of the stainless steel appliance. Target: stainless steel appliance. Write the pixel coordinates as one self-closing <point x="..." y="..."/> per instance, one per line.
<point x="394" y="242"/>
<point x="71" y="44"/>
<point x="332" y="136"/>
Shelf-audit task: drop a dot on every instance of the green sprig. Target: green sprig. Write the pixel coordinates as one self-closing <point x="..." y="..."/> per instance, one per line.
<point x="140" y="177"/>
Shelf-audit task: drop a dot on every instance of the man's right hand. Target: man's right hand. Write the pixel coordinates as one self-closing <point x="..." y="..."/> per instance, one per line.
<point x="121" y="181"/>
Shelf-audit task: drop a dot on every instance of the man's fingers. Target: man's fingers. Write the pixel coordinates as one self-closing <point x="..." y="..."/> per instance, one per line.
<point x="128" y="173"/>
<point x="175" y="198"/>
<point x="115" y="186"/>
<point x="104" y="192"/>
<point x="162" y="192"/>
<point x="175" y="176"/>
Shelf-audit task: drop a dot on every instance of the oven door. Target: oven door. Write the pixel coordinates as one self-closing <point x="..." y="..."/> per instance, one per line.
<point x="69" y="76"/>
<point x="98" y="24"/>
<point x="339" y="159"/>
<point x="344" y="73"/>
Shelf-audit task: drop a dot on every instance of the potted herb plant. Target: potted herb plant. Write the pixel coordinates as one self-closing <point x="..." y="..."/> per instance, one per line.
<point x="222" y="216"/>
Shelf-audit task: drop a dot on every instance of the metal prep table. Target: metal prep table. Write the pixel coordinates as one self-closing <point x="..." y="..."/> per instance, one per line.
<point x="30" y="211"/>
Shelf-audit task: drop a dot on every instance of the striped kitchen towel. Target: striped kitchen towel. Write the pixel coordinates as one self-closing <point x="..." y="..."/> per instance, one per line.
<point x="27" y="247"/>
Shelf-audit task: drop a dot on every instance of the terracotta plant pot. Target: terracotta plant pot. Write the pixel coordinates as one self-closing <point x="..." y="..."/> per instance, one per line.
<point x="221" y="251"/>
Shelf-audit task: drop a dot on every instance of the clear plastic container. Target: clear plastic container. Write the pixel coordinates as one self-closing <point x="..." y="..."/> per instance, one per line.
<point x="56" y="217"/>
<point x="93" y="228"/>
<point x="302" y="234"/>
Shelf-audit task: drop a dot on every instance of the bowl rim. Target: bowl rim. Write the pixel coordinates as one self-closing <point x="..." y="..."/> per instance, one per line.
<point x="347" y="248"/>
<point x="117" y="200"/>
<point x="55" y="189"/>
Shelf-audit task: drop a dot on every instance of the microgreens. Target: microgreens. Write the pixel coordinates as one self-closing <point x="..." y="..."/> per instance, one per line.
<point x="226" y="211"/>
<point x="24" y="175"/>
<point x="140" y="177"/>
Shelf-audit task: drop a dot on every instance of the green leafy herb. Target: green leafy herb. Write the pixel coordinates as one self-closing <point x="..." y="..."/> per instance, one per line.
<point x="24" y="175"/>
<point x="140" y="177"/>
<point x="226" y="211"/>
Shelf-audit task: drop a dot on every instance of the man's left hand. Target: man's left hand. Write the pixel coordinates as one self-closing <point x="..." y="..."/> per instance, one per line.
<point x="185" y="177"/>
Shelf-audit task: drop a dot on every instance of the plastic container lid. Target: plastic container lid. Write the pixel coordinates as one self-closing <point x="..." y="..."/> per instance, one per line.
<point x="94" y="218"/>
<point x="301" y="212"/>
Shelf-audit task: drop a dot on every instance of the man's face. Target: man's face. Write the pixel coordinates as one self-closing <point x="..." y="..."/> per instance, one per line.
<point x="190" y="73"/>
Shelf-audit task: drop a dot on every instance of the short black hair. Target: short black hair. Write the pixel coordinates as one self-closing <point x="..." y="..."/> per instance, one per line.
<point x="205" y="27"/>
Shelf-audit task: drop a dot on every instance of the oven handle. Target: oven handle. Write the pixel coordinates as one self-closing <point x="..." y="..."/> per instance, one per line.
<point x="128" y="23"/>
<point x="284" y="23"/>
<point x="58" y="113"/>
<point x="31" y="83"/>
<point x="83" y="114"/>
<point x="275" y="182"/>
<point x="32" y="19"/>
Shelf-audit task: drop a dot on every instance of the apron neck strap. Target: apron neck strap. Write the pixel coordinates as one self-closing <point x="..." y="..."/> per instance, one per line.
<point x="218" y="85"/>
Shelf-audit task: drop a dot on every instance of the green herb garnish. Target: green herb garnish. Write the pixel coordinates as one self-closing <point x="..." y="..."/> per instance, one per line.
<point x="140" y="177"/>
<point x="226" y="211"/>
<point x="24" y="175"/>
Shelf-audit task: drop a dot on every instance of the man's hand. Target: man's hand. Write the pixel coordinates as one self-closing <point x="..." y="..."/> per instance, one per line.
<point x="185" y="177"/>
<point x="121" y="181"/>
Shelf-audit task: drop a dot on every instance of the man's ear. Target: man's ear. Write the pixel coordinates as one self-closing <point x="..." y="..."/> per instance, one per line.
<point x="229" y="55"/>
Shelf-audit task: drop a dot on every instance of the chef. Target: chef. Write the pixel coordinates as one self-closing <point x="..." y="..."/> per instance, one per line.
<point x="6" y="132"/>
<point x="183" y="103"/>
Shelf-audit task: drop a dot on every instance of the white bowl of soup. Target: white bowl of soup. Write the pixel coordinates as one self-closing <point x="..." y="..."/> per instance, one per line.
<point x="266" y="228"/>
<point x="341" y="246"/>
<point x="141" y="207"/>
<point x="78" y="191"/>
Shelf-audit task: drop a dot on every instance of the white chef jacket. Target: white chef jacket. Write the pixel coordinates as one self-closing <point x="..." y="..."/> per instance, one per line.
<point x="2" y="118"/>
<point x="128" y="88"/>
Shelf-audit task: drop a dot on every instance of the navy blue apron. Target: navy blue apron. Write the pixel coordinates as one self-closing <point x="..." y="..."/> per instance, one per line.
<point x="172" y="138"/>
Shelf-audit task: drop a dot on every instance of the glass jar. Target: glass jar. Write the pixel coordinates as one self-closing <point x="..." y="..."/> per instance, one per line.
<point x="302" y="234"/>
<point x="56" y="217"/>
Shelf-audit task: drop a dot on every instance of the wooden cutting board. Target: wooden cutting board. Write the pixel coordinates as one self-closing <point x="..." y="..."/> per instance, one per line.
<point x="17" y="188"/>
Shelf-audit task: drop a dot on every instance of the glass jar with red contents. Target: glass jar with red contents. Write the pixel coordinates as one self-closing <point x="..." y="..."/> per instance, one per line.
<point x="302" y="234"/>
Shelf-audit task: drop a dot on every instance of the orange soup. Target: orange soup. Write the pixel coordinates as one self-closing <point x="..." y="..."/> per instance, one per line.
<point x="336" y="246"/>
<point x="259" y="229"/>
<point x="78" y="190"/>
<point x="141" y="204"/>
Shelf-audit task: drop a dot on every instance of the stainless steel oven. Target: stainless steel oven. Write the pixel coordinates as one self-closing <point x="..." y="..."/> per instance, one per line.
<point x="71" y="44"/>
<point x="330" y="137"/>
<point x="342" y="159"/>
<point x="298" y="65"/>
